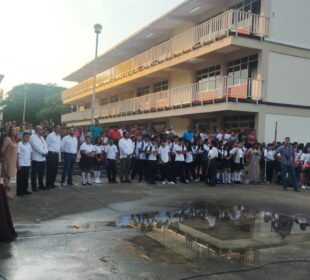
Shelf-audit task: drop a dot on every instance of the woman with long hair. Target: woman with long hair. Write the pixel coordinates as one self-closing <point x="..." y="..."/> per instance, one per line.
<point x="9" y="159"/>
<point x="253" y="156"/>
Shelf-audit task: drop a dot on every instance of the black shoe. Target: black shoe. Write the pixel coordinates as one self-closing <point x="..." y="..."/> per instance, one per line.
<point x="27" y="192"/>
<point x="128" y="181"/>
<point x="123" y="182"/>
<point x="43" y="188"/>
<point x="115" y="182"/>
<point x="19" y="194"/>
<point x="297" y="190"/>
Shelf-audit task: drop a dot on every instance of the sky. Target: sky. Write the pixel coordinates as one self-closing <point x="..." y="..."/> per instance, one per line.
<point x="42" y="41"/>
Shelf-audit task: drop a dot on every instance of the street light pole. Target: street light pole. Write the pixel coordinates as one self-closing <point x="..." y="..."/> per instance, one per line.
<point x="25" y="101"/>
<point x="97" y="28"/>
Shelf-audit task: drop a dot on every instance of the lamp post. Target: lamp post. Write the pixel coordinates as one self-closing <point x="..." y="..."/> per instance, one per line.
<point x="97" y="28"/>
<point x="25" y="101"/>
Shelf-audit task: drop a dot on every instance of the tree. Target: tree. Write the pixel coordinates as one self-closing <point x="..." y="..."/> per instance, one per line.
<point x="43" y="102"/>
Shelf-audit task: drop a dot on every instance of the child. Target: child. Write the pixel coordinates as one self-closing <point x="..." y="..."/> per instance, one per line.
<point x="180" y="151"/>
<point x="189" y="163"/>
<point x="98" y="163"/>
<point x="164" y="158"/>
<point x="88" y="154"/>
<point x="23" y="165"/>
<point x="111" y="152"/>
<point x="151" y="152"/>
<point x="237" y="154"/>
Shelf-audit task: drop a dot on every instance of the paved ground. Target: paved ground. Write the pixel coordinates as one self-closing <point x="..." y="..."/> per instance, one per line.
<point x="71" y="234"/>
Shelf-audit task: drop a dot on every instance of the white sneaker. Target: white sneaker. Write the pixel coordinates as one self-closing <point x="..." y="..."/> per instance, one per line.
<point x="187" y="181"/>
<point x="97" y="181"/>
<point x="303" y="187"/>
<point x="163" y="182"/>
<point x="172" y="183"/>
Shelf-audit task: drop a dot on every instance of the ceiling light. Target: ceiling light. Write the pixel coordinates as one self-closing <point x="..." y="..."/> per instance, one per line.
<point x="195" y="10"/>
<point x="149" y="35"/>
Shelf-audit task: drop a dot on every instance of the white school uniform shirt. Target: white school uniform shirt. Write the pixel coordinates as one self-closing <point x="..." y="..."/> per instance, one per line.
<point x="126" y="148"/>
<point x="179" y="157"/>
<point x="24" y="153"/>
<point x="305" y="157"/>
<point x="98" y="149"/>
<point x="154" y="151"/>
<point x="53" y="142"/>
<point x="189" y="157"/>
<point x="39" y="147"/>
<point x="164" y="153"/>
<point x="69" y="144"/>
<point x="141" y="146"/>
<point x="172" y="147"/>
<point x="238" y="153"/>
<point x="88" y="148"/>
<point x="269" y="154"/>
<point x="111" y="151"/>
<point x="213" y="153"/>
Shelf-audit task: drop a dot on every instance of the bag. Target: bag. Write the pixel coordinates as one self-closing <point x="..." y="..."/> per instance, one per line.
<point x="306" y="166"/>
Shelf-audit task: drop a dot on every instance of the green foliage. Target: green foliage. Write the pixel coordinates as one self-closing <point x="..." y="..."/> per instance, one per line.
<point x="43" y="102"/>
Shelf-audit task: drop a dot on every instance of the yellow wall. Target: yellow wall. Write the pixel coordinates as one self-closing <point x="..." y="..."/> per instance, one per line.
<point x="181" y="78"/>
<point x="179" y="125"/>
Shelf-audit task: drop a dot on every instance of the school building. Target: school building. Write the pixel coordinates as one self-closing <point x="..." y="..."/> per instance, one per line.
<point x="220" y="64"/>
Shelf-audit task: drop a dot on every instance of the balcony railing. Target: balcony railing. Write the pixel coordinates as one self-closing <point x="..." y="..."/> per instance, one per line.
<point x="198" y="94"/>
<point x="229" y="22"/>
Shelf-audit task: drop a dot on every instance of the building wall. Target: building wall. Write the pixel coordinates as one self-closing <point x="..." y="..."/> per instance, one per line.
<point x="289" y="22"/>
<point x="181" y="78"/>
<point x="288" y="79"/>
<point x="293" y="126"/>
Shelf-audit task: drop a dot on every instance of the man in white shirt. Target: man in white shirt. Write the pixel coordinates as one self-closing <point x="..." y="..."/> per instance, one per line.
<point x="39" y="152"/>
<point x="126" y="149"/>
<point x="53" y="142"/>
<point x="141" y="146"/>
<point x="180" y="151"/>
<point x="69" y="146"/>
<point x="23" y="165"/>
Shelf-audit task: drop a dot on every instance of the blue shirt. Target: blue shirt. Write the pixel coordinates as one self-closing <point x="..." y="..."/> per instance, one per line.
<point x="95" y="132"/>
<point x="287" y="154"/>
<point x="188" y="135"/>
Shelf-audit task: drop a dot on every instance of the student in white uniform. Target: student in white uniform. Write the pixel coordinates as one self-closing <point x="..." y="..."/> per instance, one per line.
<point x="151" y="153"/>
<point x="23" y="165"/>
<point x="126" y="148"/>
<point x="98" y="163"/>
<point x="111" y="153"/>
<point x="238" y="154"/>
<point x="88" y="154"/>
<point x="164" y="160"/>
<point x="142" y="162"/>
<point x="189" y="162"/>
<point x="180" y="151"/>
<point x="212" y="164"/>
<point x="269" y="155"/>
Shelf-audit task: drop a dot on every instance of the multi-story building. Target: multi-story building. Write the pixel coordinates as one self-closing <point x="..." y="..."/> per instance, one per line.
<point x="220" y="64"/>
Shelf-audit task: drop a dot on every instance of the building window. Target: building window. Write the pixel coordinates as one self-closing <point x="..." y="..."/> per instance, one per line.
<point x="161" y="86"/>
<point x="253" y="6"/>
<point x="143" y="91"/>
<point x="241" y="69"/>
<point x="208" y="77"/>
<point x="239" y="121"/>
<point x="104" y="101"/>
<point x="114" y="99"/>
<point x="87" y="106"/>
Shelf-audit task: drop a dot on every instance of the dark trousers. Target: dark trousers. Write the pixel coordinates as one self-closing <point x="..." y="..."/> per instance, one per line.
<point x="142" y="169"/>
<point x="124" y="169"/>
<point x="134" y="167"/>
<point x="164" y="171"/>
<point x="190" y="170"/>
<point x="22" y="179"/>
<point x="111" y="170"/>
<point x="151" y="170"/>
<point x="211" y="174"/>
<point x="69" y="161"/>
<point x="269" y="170"/>
<point x="52" y="161"/>
<point x="290" y="170"/>
<point x="179" y="170"/>
<point x="172" y="169"/>
<point x="37" y="172"/>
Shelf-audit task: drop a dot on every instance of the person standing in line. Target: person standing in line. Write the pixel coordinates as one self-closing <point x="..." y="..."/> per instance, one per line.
<point x="23" y="165"/>
<point x="172" y="168"/>
<point x="9" y="152"/>
<point x="111" y="152"/>
<point x="126" y="150"/>
<point x="69" y="146"/>
<point x="164" y="158"/>
<point x="151" y="153"/>
<point x="180" y="151"/>
<point x="287" y="154"/>
<point x="135" y="156"/>
<point x="142" y="162"/>
<point x="98" y="162"/>
<point x="269" y="155"/>
<point x="253" y="156"/>
<point x="305" y="163"/>
<point x="53" y="142"/>
<point x="189" y="162"/>
<point x="39" y="152"/>
<point x="237" y="153"/>
<point x="212" y="164"/>
<point x="88" y="154"/>
<point x="96" y="131"/>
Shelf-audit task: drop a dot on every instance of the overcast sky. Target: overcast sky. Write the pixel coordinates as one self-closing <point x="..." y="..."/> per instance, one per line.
<point x="43" y="41"/>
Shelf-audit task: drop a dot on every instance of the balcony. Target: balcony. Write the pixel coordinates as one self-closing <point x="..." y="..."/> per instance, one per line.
<point x="231" y="22"/>
<point x="220" y="89"/>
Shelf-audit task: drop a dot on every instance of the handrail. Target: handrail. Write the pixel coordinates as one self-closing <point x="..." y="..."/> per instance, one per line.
<point x="200" y="93"/>
<point x="236" y="21"/>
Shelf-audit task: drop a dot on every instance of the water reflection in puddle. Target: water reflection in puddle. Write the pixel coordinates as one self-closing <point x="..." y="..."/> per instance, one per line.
<point x="236" y="234"/>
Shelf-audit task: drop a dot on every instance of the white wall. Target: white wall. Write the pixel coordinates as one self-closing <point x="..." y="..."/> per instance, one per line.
<point x="289" y="22"/>
<point x="295" y="127"/>
<point x="288" y="79"/>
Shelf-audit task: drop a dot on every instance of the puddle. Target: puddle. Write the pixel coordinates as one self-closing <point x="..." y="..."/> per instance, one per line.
<point x="236" y="234"/>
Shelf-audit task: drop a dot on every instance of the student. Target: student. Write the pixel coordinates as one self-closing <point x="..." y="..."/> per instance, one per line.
<point x="142" y="162"/>
<point x="164" y="159"/>
<point x="88" y="153"/>
<point x="199" y="148"/>
<point x="205" y="160"/>
<point x="111" y="152"/>
<point x="305" y="163"/>
<point x="172" y="146"/>
<point x="189" y="163"/>
<point x="180" y="151"/>
<point x="98" y="162"/>
<point x="226" y="164"/>
<point x="237" y="154"/>
<point x="151" y="153"/>
<point x="212" y="164"/>
<point x="23" y="165"/>
<point x="269" y="155"/>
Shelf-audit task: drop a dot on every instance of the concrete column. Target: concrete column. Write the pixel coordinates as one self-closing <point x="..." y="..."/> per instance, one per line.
<point x="262" y="71"/>
<point x="260" y="124"/>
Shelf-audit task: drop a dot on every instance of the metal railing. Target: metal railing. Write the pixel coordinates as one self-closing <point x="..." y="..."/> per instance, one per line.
<point x="223" y="25"/>
<point x="202" y="93"/>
